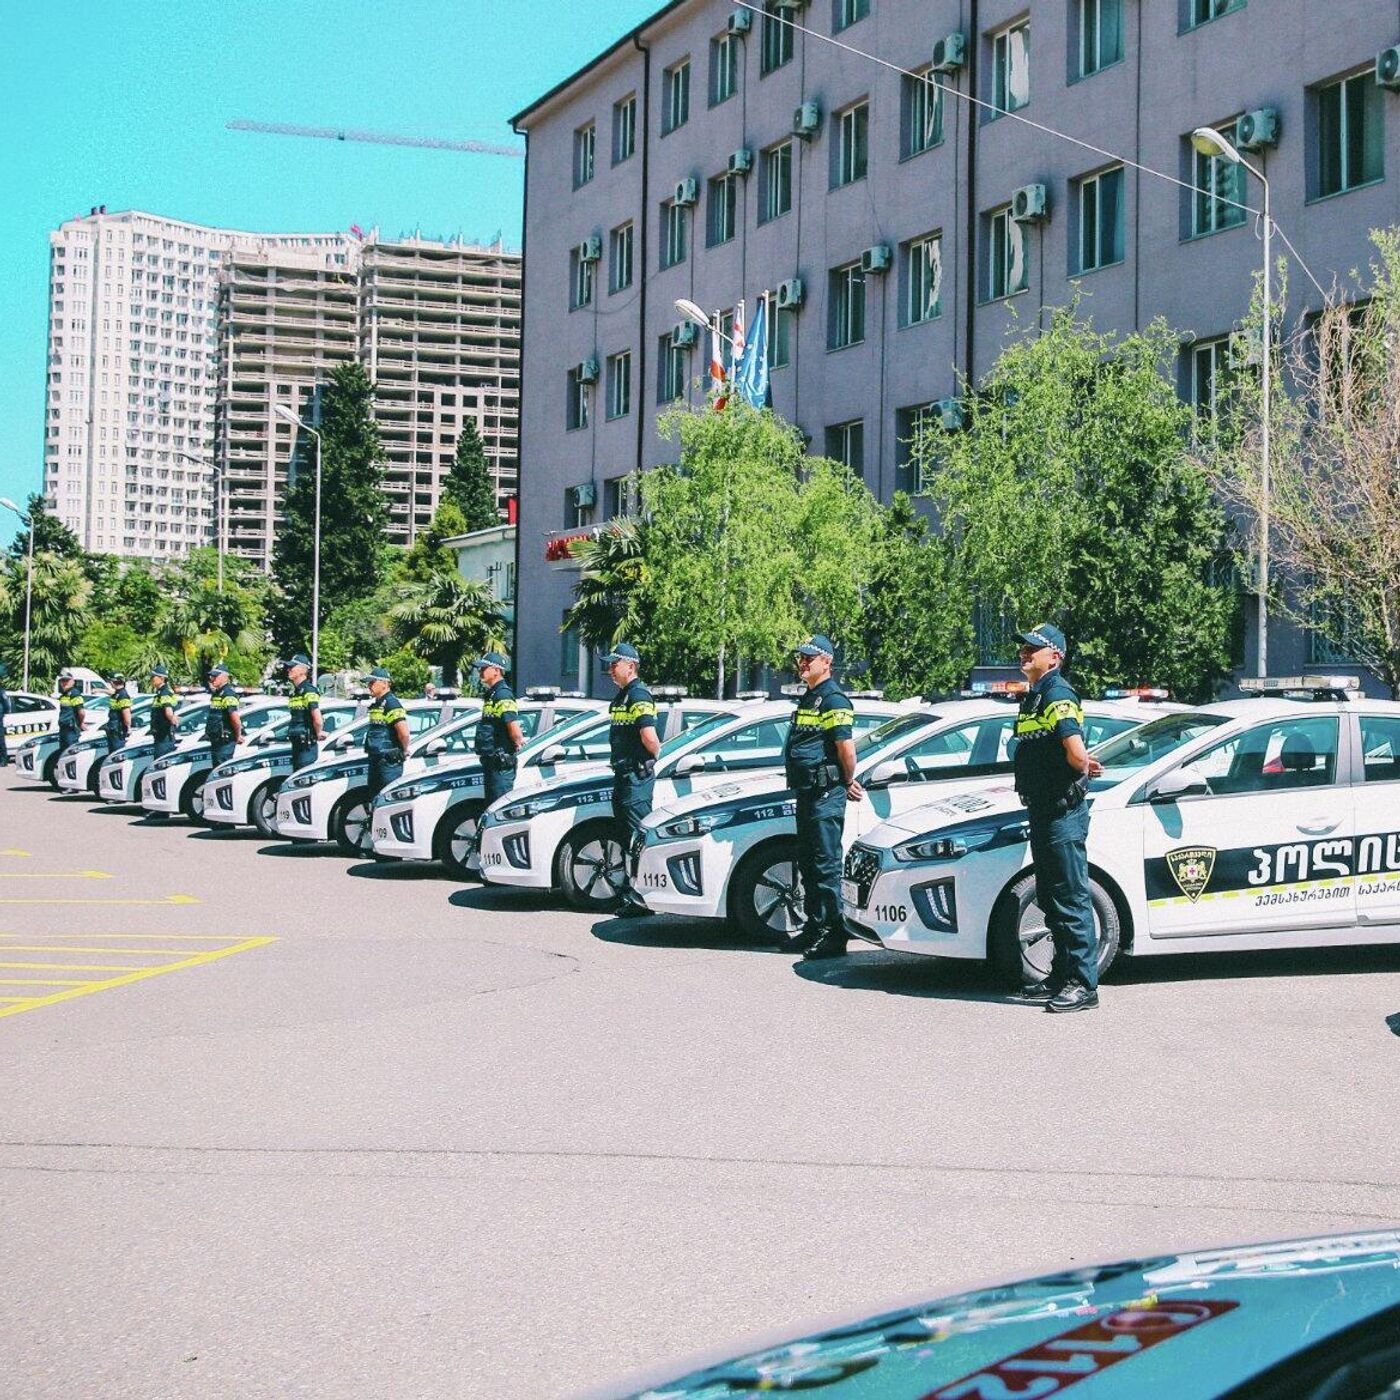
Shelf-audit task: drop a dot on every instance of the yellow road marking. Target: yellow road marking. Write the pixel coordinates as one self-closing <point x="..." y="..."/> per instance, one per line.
<point x="71" y="948"/>
<point x="82" y="989"/>
<point x="55" y="875"/>
<point x="168" y="937"/>
<point x="169" y="899"/>
<point x="74" y="967"/>
<point x="13" y="852"/>
<point x="47" y="982"/>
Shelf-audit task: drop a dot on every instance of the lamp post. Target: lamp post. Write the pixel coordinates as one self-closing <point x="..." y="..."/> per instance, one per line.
<point x="287" y="415"/>
<point x="8" y="504"/>
<point x="221" y="532"/>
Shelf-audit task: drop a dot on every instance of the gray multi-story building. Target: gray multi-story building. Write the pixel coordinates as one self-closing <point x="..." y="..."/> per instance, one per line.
<point x="720" y="151"/>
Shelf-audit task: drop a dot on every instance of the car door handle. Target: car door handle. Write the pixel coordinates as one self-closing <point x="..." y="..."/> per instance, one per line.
<point x="1318" y="827"/>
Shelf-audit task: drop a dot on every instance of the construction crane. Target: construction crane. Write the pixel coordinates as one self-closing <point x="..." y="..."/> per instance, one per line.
<point x="379" y="138"/>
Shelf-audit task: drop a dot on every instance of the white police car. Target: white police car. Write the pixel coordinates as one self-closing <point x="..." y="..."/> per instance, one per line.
<point x="36" y="759"/>
<point x="1269" y="822"/>
<point x="174" y="784"/>
<point x="120" y="777"/>
<point x="328" y="801"/>
<point x="732" y="853"/>
<point x="29" y="714"/>
<point x="243" y="791"/>
<point x="80" y="765"/>
<point x="562" y="836"/>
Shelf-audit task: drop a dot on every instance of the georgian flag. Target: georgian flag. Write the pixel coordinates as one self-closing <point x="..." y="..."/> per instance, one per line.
<point x="717" y="374"/>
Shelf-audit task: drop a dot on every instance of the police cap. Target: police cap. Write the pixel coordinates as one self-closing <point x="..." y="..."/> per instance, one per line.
<point x="300" y="659"/>
<point x="491" y="658"/>
<point x="161" y="670"/>
<point x="622" y="651"/>
<point x="816" y="646"/>
<point x="65" y="674"/>
<point x="379" y="674"/>
<point x="1043" y="634"/>
<point x="218" y="669"/>
<point x="118" y="678"/>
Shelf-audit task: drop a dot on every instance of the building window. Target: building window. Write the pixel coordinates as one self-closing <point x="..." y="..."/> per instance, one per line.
<point x="850" y="155"/>
<point x="1004" y="264"/>
<point x="723" y="209"/>
<point x="1207" y="364"/>
<point x="923" y="279"/>
<point x="625" y="128"/>
<point x="1198" y="12"/>
<point x="845" y="13"/>
<point x="580" y="280"/>
<point x="776" y="179"/>
<point x="725" y="53"/>
<point x="620" y="258"/>
<point x="781" y="321"/>
<point x="619" y="387"/>
<point x="845" y="442"/>
<point x="1217" y="201"/>
<point x="910" y="426"/>
<point x="1099" y="210"/>
<point x="620" y="496"/>
<point x="673" y="234"/>
<point x="583" y="155"/>
<point x="576" y="406"/>
<point x="777" y="39"/>
<point x="921" y="115"/>
<point x="1100" y="35"/>
<point x="670" y="370"/>
<point x="675" y="98"/>
<point x="1350" y="134"/>
<point x="1011" y="67"/>
<point x="847" y="302"/>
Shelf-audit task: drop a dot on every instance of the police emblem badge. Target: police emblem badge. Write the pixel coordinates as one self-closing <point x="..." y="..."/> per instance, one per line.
<point x="1191" y="868"/>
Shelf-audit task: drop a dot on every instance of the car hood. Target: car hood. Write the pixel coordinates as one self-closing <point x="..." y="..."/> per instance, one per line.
<point x="1190" y="1326"/>
<point x="957" y="803"/>
<point x="741" y="785"/>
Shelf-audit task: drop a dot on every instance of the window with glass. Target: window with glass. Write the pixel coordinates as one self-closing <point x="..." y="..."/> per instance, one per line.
<point x="583" y="155"/>
<point x="674" y="241"/>
<point x="910" y="426"/>
<point x="845" y="13"/>
<point x="845" y="443"/>
<point x="851" y="152"/>
<point x="723" y="209"/>
<point x="1218" y="200"/>
<point x="670" y="370"/>
<point x="1100" y="35"/>
<point x="847" y="302"/>
<point x="619" y="386"/>
<point x="675" y="97"/>
<point x="1004" y="263"/>
<point x="620" y="242"/>
<point x="1335" y="629"/>
<point x="1285" y="754"/>
<point x="1207" y="366"/>
<point x="781" y="321"/>
<point x="1350" y="134"/>
<point x="1380" y="748"/>
<point x="726" y="52"/>
<point x="776" y="179"/>
<point x="923" y="279"/>
<point x="1203" y="11"/>
<point x="776" y="42"/>
<point x="625" y="128"/>
<point x="620" y="495"/>
<point x="1099" y="209"/>
<point x="580" y="280"/>
<point x="576" y="402"/>
<point x="921" y="113"/>
<point x="1011" y="67"/>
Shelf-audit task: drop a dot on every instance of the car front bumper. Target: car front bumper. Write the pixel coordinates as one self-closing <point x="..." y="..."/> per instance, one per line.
<point x="304" y="814"/>
<point x="160" y="791"/>
<point x="406" y="830"/>
<point x="689" y="877"/>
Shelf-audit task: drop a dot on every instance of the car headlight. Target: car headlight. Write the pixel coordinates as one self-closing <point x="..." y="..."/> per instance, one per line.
<point x="956" y="842"/>
<point x="696" y="824"/>
<point x="428" y="785"/>
<point x="522" y="811"/>
<point x="244" y="765"/>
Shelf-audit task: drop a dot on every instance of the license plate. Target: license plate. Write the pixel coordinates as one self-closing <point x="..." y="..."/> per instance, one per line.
<point x="850" y="892"/>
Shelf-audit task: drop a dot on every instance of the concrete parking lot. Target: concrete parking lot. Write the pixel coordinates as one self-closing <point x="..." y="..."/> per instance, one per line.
<point x="280" y="1123"/>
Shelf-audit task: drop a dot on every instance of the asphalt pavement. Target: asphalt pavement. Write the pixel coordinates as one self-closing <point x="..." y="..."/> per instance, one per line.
<point x="279" y="1123"/>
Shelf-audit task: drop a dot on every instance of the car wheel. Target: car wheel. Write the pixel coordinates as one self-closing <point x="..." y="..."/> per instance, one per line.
<point x="589" y="868"/>
<point x="1019" y="946"/>
<point x="192" y="799"/>
<point x="51" y="772"/>
<point x="95" y="779"/>
<point x="262" y="809"/>
<point x="765" y="895"/>
<point x="456" y="840"/>
<point x="350" y="823"/>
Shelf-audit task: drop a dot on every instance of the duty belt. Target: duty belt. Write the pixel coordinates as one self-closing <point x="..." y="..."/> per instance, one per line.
<point x="634" y="767"/>
<point x="820" y="778"/>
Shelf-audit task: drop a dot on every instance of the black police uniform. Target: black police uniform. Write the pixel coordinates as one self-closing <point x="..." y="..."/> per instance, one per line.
<point x="70" y="702"/>
<point x="115" y="728"/>
<point x="823" y="718"/>
<point x="493" y="742"/>
<point x="634" y="769"/>
<point x="4" y="710"/>
<point x="218" y="724"/>
<point x="303" y="702"/>
<point x="1055" y="801"/>
<point x="385" y="755"/>
<point x="163" y="704"/>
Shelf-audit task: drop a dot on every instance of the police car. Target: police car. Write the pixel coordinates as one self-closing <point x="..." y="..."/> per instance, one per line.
<point x="562" y="836"/>
<point x="174" y="784"/>
<point x="328" y="801"/>
<point x="243" y="791"/>
<point x="29" y="714"/>
<point x="80" y="765"/>
<point x="731" y="853"/>
<point x="119" y="780"/>
<point x="36" y="759"/>
<point x="1269" y="822"/>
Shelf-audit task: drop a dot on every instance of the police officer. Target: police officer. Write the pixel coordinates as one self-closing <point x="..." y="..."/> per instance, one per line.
<point x="820" y="762"/>
<point x="1053" y="769"/>
<point x="386" y="738"/>
<point x="70" y="710"/>
<point x="633" y="743"/>
<point x="498" y="734"/>
<point x="4" y="710"/>
<point x="222" y="726"/>
<point x="304" y="725"/>
<point x="118" y="725"/>
<point x="162" y="712"/>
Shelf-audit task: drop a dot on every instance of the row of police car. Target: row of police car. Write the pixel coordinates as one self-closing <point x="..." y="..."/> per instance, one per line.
<point x="1271" y="821"/>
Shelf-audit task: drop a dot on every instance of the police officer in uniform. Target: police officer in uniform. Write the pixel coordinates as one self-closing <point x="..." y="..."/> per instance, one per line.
<point x="4" y="710"/>
<point x="386" y="739"/>
<point x="820" y="762"/>
<point x="633" y="743"/>
<point x="70" y="710"/>
<point x="304" y="725"/>
<point x="162" y="712"/>
<point x="498" y="733"/>
<point x="1053" y="769"/>
<point x="222" y="726"/>
<point x="118" y="726"/>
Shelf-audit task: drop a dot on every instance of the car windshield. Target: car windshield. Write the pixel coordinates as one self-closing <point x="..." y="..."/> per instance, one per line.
<point x="899" y="727"/>
<point x="706" y="726"/>
<point x="1124" y="754"/>
<point x="571" y="731"/>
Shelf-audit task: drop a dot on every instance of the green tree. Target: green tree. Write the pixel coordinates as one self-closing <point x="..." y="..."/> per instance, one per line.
<point x="51" y="535"/>
<point x="837" y="524"/>
<point x="429" y="555"/>
<point x="61" y="612"/>
<point x="353" y="511"/>
<point x="444" y="618"/>
<point x="1072" y="497"/>
<point x="198" y="624"/>
<point x="468" y="483"/>
<point x="408" y="671"/>
<point x="611" y="593"/>
<point x="113" y="646"/>
<point x="139" y="597"/>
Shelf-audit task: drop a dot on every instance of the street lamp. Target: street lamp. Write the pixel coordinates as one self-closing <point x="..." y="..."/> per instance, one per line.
<point x="8" y="504"/>
<point x="222" y="531"/>
<point x="287" y="415"/>
<point x="691" y="312"/>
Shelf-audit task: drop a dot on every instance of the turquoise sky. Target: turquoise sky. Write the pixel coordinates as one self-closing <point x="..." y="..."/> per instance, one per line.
<point x="123" y="103"/>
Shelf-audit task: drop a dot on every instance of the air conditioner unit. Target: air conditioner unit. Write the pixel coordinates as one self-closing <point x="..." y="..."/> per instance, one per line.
<point x="807" y="120"/>
<point x="1028" y="204"/>
<point x="951" y="414"/>
<point x="585" y="494"/>
<point x="687" y="191"/>
<point x="1388" y="68"/>
<point x="791" y="294"/>
<point x="591" y="249"/>
<point x="1255" y="130"/>
<point x="741" y="162"/>
<point x="586" y="371"/>
<point x="949" y="53"/>
<point x="740" y="22"/>
<point x="683" y="334"/>
<point x="876" y="259"/>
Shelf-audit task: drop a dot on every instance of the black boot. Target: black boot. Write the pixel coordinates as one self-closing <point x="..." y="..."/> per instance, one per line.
<point x="1075" y="997"/>
<point x="832" y="944"/>
<point x="1038" y="993"/>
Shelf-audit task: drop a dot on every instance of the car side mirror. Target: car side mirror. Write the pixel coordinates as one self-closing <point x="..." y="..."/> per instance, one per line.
<point x="892" y="770"/>
<point x="436" y="747"/>
<point x="553" y="754"/>
<point x="1180" y="782"/>
<point x="691" y="763"/>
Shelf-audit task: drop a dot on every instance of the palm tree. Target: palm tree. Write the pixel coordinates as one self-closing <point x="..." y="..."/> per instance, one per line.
<point x="62" y="593"/>
<point x="608" y="595"/>
<point x="445" y="617"/>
